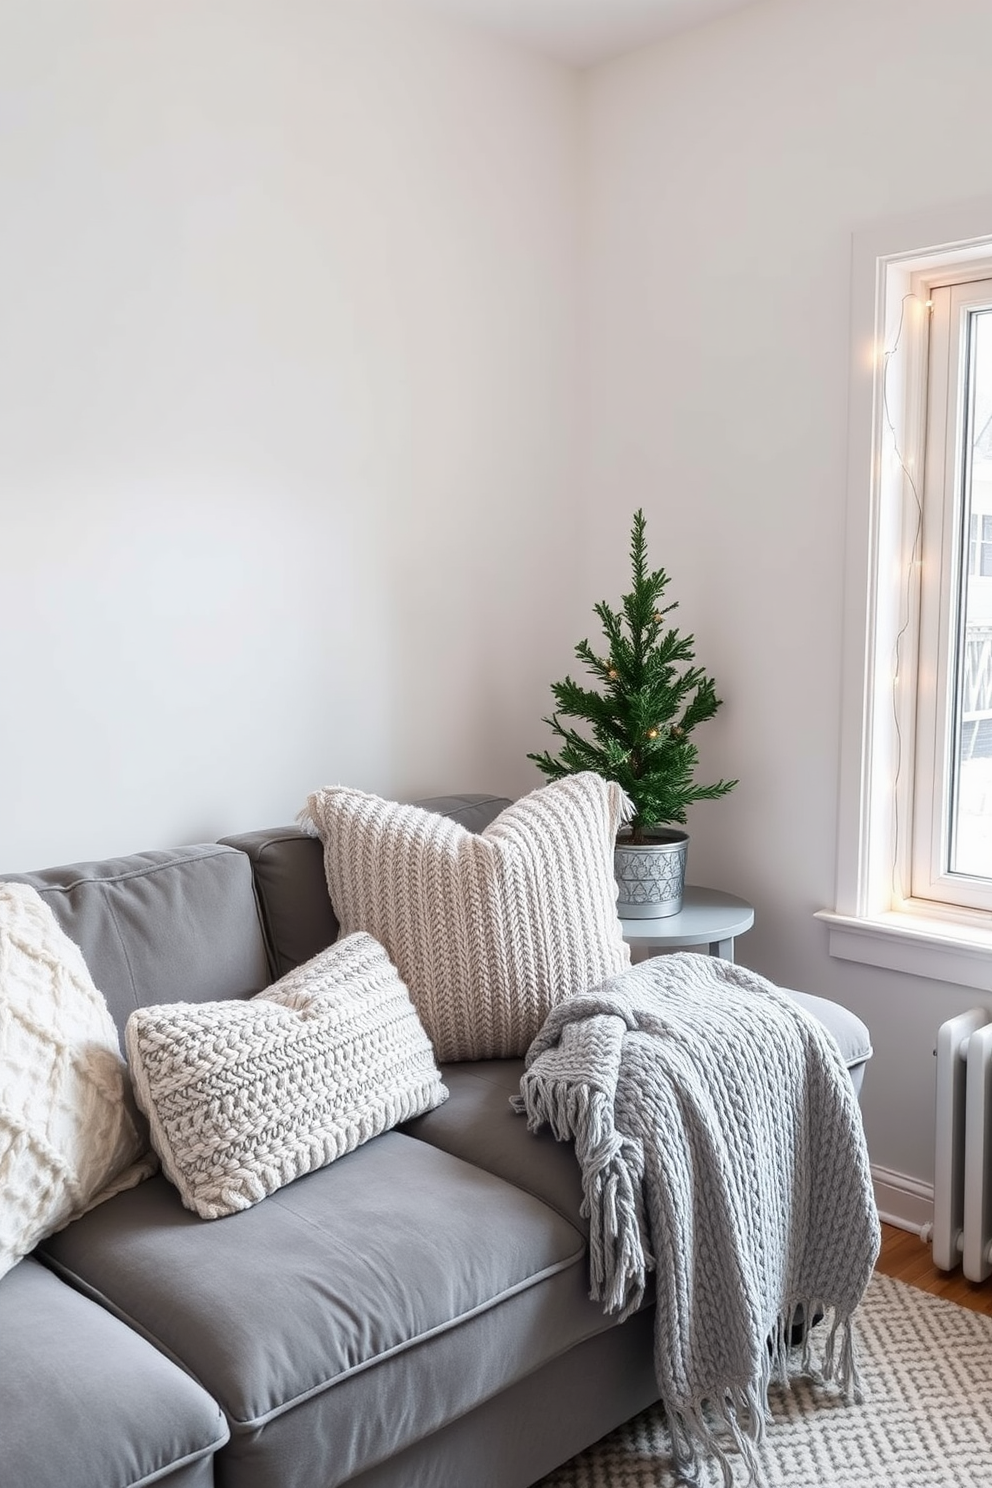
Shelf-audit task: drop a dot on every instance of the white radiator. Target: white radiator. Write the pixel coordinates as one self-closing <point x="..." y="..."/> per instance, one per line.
<point x="962" y="1190"/>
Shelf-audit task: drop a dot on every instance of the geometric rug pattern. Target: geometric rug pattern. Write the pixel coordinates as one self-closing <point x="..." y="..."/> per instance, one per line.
<point x="926" y="1422"/>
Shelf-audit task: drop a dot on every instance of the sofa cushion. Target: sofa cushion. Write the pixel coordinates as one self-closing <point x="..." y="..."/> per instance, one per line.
<point x="478" y="1124"/>
<point x="851" y="1035"/>
<point x="86" y="1403"/>
<point x="349" y="1314"/>
<point x="158" y="926"/>
<point x="244" y="1097"/>
<point x="489" y="930"/>
<point x="68" y="1137"/>
<point x="297" y="914"/>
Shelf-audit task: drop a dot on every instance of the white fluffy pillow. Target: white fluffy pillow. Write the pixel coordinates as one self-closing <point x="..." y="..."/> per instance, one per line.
<point x="243" y="1097"/>
<point x="488" y="930"/>
<point x="67" y="1137"/>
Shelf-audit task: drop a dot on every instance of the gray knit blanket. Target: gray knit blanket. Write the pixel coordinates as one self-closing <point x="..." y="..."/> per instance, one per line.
<point x="721" y="1147"/>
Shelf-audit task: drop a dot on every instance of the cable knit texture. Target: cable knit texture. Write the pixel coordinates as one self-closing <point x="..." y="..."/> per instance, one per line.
<point x="68" y="1139"/>
<point x="489" y="930"/>
<point x="721" y="1147"/>
<point x="243" y="1097"/>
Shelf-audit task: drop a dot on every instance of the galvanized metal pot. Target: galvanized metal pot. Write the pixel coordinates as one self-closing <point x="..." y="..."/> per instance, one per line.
<point x="651" y="877"/>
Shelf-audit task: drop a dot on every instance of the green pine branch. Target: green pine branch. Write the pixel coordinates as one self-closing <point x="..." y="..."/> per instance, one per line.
<point x="648" y="702"/>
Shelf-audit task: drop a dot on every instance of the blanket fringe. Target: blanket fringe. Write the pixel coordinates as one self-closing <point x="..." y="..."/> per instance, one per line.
<point x="840" y="1361"/>
<point x="731" y="1430"/>
<point x="612" y="1168"/>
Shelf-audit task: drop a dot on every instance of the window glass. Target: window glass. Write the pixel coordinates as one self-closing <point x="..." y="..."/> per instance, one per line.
<point x="970" y="834"/>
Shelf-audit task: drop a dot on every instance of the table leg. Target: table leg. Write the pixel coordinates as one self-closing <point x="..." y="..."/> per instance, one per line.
<point x="723" y="948"/>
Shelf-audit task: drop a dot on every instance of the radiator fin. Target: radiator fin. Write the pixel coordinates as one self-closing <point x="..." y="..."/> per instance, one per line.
<point x="962" y="1222"/>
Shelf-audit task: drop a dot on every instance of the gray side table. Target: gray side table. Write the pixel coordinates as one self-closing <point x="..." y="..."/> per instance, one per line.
<point x="708" y="918"/>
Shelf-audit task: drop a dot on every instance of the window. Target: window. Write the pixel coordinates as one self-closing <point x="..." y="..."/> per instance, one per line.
<point x="980" y="558"/>
<point x="914" y="877"/>
<point x="952" y="796"/>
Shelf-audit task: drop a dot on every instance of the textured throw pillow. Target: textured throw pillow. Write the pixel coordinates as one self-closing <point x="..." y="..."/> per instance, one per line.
<point x="488" y="930"/>
<point x="243" y="1097"/>
<point x="68" y="1139"/>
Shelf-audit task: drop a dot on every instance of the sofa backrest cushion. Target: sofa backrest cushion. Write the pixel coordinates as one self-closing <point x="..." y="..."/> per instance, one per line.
<point x="296" y="914"/>
<point x="161" y="926"/>
<point x="298" y="918"/>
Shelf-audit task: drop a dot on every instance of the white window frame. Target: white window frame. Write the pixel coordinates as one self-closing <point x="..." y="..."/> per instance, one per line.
<point x="875" y="919"/>
<point x="944" y="538"/>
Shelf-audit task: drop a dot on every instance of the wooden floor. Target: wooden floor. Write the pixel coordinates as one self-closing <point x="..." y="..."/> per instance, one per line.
<point x="905" y="1257"/>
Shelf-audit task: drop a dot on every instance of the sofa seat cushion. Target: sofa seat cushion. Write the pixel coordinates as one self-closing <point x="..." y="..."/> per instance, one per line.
<point x="85" y="1402"/>
<point x="351" y="1313"/>
<point x="477" y="1124"/>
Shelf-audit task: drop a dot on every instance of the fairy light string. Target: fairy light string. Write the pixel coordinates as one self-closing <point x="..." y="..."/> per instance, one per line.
<point x="913" y="563"/>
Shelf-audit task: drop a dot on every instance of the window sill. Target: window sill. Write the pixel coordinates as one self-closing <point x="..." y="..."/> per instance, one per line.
<point x="945" y="950"/>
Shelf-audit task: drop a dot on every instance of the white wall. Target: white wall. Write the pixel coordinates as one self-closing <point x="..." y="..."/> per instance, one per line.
<point x="288" y="466"/>
<point x="288" y="311"/>
<point x="728" y="169"/>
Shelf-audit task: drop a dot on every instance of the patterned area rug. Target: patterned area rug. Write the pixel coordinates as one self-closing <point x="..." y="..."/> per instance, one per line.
<point x="926" y="1366"/>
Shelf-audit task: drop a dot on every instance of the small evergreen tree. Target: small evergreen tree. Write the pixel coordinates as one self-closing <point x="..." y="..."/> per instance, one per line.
<point x="651" y="700"/>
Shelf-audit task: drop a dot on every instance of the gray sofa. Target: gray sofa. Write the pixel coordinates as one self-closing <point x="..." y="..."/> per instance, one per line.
<point x="413" y="1316"/>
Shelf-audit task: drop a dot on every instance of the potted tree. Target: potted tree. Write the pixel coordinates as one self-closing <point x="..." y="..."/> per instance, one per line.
<point x="649" y="701"/>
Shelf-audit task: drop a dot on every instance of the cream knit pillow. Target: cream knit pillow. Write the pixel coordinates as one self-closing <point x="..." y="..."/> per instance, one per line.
<point x="67" y="1136"/>
<point x="488" y="930"/>
<point x="243" y="1097"/>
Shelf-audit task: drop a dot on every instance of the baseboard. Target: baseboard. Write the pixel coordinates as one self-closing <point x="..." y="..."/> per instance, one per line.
<point x="902" y="1201"/>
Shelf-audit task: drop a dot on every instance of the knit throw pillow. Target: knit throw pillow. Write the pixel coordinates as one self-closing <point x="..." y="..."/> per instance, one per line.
<point x="243" y="1097"/>
<point x="489" y="930"/>
<point x="68" y="1139"/>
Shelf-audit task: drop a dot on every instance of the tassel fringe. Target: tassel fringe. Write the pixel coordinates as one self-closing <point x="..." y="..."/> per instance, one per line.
<point x="612" y="1169"/>
<point x="731" y="1430"/>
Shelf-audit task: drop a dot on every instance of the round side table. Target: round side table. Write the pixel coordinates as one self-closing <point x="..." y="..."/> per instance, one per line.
<point x="708" y="918"/>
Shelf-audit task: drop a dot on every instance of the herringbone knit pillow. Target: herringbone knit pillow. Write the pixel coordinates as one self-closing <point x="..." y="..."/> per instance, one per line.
<point x="243" y="1097"/>
<point x="489" y="930"/>
<point x="67" y="1136"/>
